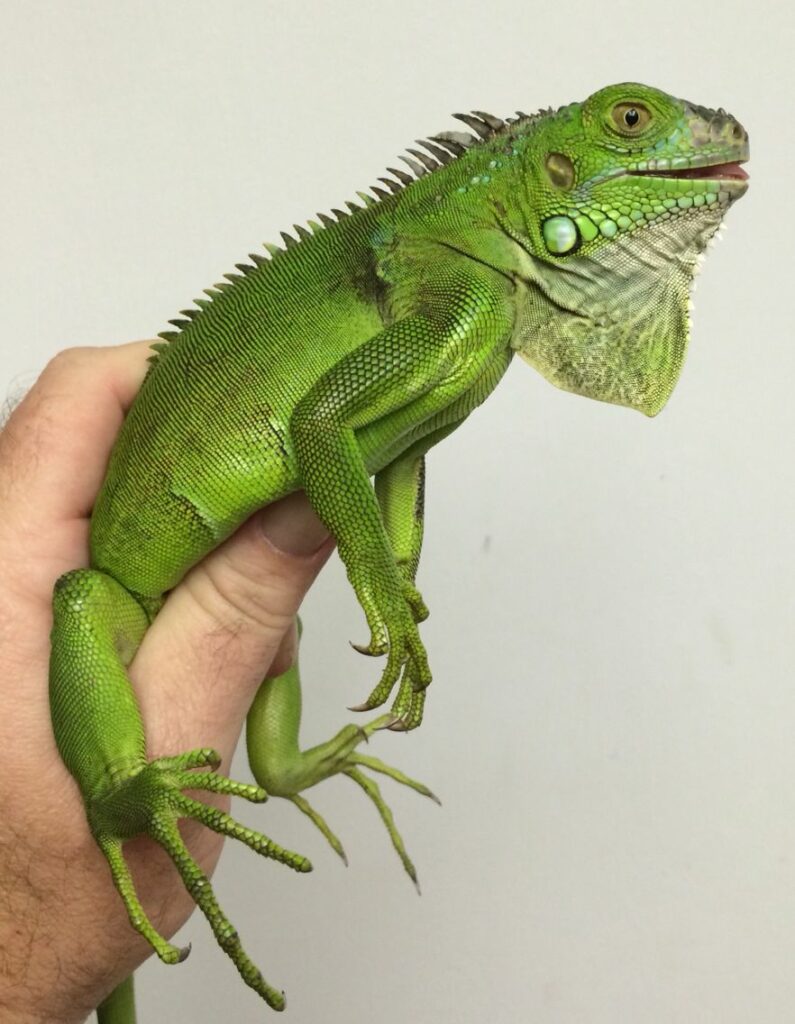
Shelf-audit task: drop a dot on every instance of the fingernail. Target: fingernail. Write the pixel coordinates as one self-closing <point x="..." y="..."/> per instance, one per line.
<point x="291" y="526"/>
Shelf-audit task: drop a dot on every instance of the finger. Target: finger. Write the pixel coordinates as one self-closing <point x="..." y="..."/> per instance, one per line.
<point x="206" y="653"/>
<point x="53" y="455"/>
<point x="55" y="447"/>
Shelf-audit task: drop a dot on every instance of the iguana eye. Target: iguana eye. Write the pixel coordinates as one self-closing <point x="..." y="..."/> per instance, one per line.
<point x="630" y="118"/>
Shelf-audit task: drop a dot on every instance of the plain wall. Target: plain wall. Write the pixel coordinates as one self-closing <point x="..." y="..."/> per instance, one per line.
<point x="611" y="722"/>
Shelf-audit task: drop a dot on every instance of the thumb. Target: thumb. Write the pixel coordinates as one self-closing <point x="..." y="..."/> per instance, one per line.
<point x="200" y="663"/>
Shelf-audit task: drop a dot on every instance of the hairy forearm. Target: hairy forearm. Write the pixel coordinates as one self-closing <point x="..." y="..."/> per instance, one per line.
<point x="41" y="982"/>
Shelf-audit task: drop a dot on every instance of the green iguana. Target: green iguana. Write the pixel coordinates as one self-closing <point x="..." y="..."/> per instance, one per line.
<point x="571" y="237"/>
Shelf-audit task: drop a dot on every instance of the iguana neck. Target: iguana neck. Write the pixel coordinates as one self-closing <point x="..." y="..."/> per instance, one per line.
<point x="615" y="330"/>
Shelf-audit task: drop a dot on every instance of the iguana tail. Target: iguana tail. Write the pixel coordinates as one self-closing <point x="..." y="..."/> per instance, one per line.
<point x="119" y="1007"/>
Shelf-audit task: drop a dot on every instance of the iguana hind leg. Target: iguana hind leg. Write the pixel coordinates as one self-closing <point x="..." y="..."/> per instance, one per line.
<point x="119" y="1006"/>
<point x="97" y="628"/>
<point x="283" y="769"/>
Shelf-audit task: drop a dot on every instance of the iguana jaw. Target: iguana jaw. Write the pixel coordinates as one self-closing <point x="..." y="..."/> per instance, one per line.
<point x="717" y="172"/>
<point x="722" y="167"/>
<point x="728" y="177"/>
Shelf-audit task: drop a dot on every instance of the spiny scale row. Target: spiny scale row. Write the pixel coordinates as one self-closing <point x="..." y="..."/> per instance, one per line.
<point x="441" y="149"/>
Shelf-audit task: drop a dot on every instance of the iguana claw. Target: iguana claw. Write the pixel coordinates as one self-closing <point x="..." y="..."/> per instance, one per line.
<point x="368" y="651"/>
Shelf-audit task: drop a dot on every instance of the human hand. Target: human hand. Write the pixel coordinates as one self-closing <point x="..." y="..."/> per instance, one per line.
<point x="64" y="932"/>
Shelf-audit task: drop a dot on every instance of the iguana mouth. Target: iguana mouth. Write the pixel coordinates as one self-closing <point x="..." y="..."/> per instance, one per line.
<point x="713" y="172"/>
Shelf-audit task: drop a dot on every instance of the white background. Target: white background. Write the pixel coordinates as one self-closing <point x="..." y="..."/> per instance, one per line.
<point x="611" y="721"/>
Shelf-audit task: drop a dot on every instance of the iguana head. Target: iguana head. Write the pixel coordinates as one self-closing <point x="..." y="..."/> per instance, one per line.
<point x="625" y="192"/>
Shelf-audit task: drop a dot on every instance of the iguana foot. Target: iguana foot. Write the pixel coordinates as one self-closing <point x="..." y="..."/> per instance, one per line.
<point x="148" y="800"/>
<point x="286" y="771"/>
<point x="419" y="609"/>
<point x="395" y="634"/>
<point x="409" y="705"/>
<point x="353" y="770"/>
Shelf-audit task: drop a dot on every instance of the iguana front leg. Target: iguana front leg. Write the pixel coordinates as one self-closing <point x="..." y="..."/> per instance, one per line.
<point x="400" y="490"/>
<point x="402" y="378"/>
<point x="283" y="769"/>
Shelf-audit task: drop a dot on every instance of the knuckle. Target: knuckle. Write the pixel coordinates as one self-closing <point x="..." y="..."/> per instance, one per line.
<point x="66" y="361"/>
<point x="240" y="592"/>
<point x="236" y="602"/>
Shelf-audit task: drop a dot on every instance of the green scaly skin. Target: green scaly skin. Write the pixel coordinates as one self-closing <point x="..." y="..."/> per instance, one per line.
<point x="571" y="237"/>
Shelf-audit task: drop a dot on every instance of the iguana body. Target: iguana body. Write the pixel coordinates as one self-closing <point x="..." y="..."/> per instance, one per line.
<point x="571" y="237"/>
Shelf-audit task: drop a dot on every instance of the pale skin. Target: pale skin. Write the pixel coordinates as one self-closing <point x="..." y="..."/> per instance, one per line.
<point x="60" y="915"/>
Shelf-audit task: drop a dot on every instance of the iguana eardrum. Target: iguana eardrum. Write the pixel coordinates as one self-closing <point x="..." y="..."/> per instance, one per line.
<point x="571" y="237"/>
